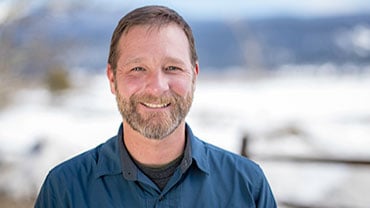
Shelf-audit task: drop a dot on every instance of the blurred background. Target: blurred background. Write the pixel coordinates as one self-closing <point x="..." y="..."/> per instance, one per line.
<point x="286" y="83"/>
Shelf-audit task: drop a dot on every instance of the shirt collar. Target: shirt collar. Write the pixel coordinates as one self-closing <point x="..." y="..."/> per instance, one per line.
<point x="115" y="159"/>
<point x="108" y="157"/>
<point x="129" y="169"/>
<point x="197" y="151"/>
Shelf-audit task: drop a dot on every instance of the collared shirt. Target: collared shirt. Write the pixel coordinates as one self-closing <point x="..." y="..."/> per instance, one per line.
<point x="107" y="177"/>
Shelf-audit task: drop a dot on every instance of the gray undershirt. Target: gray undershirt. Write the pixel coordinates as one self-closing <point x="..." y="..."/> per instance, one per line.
<point x="160" y="175"/>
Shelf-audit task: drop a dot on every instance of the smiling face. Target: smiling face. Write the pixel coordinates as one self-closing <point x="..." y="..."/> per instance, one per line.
<point x="154" y="79"/>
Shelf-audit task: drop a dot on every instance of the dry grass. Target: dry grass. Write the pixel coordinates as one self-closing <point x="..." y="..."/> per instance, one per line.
<point x="8" y="202"/>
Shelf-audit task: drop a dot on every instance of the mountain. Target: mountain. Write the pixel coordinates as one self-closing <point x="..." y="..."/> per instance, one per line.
<point x="272" y="42"/>
<point x="81" y="39"/>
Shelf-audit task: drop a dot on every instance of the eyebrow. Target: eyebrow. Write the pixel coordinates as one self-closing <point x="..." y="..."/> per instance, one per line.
<point x="166" y="59"/>
<point x="175" y="60"/>
<point x="132" y="61"/>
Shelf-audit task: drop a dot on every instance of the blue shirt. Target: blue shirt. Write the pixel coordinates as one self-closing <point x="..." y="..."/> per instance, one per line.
<point x="107" y="177"/>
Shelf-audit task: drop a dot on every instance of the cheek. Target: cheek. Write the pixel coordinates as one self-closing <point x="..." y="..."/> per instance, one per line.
<point x="181" y="86"/>
<point x="127" y="87"/>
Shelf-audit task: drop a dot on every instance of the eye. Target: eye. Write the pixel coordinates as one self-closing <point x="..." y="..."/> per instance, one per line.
<point x="172" y="68"/>
<point x="138" y="69"/>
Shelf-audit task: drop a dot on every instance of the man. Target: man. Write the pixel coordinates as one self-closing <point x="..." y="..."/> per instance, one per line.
<point x="155" y="160"/>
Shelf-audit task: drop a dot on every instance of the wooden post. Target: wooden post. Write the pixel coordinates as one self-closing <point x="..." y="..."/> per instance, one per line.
<point x="244" y="150"/>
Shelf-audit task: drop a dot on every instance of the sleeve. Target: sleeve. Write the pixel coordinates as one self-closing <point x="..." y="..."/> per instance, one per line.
<point x="47" y="197"/>
<point x="264" y="197"/>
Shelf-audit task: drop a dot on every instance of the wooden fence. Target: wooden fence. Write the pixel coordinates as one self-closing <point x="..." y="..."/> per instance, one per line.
<point x="300" y="159"/>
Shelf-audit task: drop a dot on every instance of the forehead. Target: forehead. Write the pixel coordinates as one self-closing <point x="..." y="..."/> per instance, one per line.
<point x="146" y="31"/>
<point x="154" y="40"/>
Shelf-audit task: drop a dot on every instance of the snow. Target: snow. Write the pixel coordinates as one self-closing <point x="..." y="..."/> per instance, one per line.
<point x="287" y="114"/>
<point x="355" y="40"/>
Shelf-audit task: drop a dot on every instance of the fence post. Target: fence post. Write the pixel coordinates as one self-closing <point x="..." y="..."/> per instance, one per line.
<point x="244" y="150"/>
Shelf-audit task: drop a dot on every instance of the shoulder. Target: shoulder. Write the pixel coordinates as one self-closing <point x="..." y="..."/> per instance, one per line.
<point x="244" y="172"/>
<point x="241" y="172"/>
<point x="76" y="175"/>
<point x="230" y="158"/>
<point x="212" y="157"/>
<point x="229" y="163"/>
<point x="82" y="165"/>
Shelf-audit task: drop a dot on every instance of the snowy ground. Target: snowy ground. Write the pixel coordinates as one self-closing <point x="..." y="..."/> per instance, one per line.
<point x="301" y="115"/>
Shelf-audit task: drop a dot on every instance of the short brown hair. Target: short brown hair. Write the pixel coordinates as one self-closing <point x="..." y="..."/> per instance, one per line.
<point x="149" y="15"/>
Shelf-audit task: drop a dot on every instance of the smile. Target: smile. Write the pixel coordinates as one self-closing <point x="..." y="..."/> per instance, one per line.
<point x="152" y="105"/>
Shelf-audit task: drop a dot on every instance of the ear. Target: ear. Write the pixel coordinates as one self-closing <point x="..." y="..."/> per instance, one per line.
<point x="196" y="69"/>
<point x="111" y="79"/>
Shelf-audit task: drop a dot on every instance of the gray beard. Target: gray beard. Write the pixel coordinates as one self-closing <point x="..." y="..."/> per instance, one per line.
<point x="155" y="125"/>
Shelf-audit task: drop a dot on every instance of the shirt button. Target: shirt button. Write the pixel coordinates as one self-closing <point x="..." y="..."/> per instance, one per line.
<point x="160" y="198"/>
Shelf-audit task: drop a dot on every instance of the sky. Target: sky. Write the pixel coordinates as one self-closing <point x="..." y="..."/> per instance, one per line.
<point x="231" y="9"/>
<point x="212" y="9"/>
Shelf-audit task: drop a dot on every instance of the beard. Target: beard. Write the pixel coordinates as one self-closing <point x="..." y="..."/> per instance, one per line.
<point x="156" y="124"/>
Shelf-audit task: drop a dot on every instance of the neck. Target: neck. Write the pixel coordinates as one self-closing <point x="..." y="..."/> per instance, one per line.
<point x="154" y="152"/>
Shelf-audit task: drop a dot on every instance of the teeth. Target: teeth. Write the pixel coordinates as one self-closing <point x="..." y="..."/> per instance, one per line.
<point x="151" y="105"/>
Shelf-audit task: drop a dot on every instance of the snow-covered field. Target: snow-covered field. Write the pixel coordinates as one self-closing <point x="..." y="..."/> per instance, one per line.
<point x="290" y="114"/>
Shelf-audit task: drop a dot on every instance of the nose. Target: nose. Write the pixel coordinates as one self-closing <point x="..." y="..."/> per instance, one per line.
<point x="157" y="83"/>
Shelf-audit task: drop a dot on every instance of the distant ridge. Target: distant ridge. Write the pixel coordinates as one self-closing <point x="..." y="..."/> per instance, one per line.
<point x="267" y="43"/>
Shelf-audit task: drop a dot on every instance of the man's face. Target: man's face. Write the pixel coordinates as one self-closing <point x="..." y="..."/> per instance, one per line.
<point x="154" y="81"/>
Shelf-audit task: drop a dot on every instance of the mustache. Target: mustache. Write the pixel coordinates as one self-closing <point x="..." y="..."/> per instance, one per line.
<point x="170" y="97"/>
